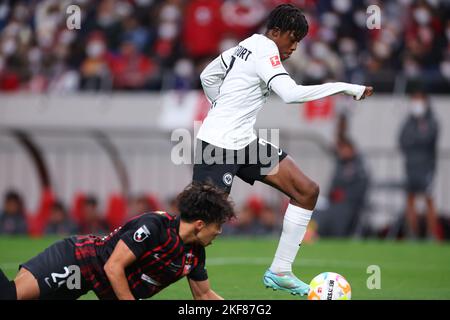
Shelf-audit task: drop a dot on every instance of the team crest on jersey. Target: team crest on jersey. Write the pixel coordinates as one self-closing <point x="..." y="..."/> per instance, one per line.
<point x="275" y="61"/>
<point x="141" y="234"/>
<point x="227" y="179"/>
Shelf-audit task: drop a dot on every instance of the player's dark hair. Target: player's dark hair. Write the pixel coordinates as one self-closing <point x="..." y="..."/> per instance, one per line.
<point x="287" y="17"/>
<point x="204" y="201"/>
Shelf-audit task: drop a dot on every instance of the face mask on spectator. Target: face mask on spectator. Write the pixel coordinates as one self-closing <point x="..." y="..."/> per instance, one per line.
<point x="66" y="37"/>
<point x="9" y="46"/>
<point x="422" y="16"/>
<point x="95" y="49"/>
<point x="143" y="3"/>
<point x="106" y="19"/>
<point x="319" y="50"/>
<point x="184" y="68"/>
<point x="227" y="43"/>
<point x="381" y="50"/>
<point x="170" y="13"/>
<point x="34" y="55"/>
<point x="347" y="45"/>
<point x="405" y="2"/>
<point x="327" y="34"/>
<point x="54" y="19"/>
<point x="12" y="29"/>
<point x="342" y="6"/>
<point x="316" y="70"/>
<point x="445" y="68"/>
<point x="167" y="31"/>
<point x="418" y="108"/>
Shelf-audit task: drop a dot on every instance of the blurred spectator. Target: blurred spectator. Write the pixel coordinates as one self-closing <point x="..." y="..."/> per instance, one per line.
<point x="184" y="77"/>
<point x="173" y="206"/>
<point x="138" y="205"/>
<point x="167" y="45"/>
<point x="92" y="222"/>
<point x="12" y="219"/>
<point x="418" y="143"/>
<point x="203" y="28"/>
<point x="95" y="73"/>
<point x="347" y="193"/>
<point x="143" y="203"/>
<point x="241" y="18"/>
<point x="256" y="217"/>
<point x="59" y="222"/>
<point x="132" y="70"/>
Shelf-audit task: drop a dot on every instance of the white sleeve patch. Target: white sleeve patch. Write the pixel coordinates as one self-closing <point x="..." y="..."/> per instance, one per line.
<point x="141" y="234"/>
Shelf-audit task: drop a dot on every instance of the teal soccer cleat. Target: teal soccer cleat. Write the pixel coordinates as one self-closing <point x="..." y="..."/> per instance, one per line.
<point x="285" y="281"/>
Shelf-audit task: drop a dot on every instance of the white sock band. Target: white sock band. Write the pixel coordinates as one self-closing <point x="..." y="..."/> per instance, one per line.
<point x="295" y="222"/>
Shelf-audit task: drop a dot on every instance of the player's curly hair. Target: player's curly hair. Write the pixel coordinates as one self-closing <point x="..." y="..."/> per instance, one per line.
<point x="287" y="17"/>
<point x="204" y="201"/>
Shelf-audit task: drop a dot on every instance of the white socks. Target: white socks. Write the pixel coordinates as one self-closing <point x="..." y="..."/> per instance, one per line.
<point x="295" y="223"/>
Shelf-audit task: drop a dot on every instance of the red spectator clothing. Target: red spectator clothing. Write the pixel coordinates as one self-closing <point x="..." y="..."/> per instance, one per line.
<point x="131" y="72"/>
<point x="9" y="81"/>
<point x="413" y="30"/>
<point x="203" y="27"/>
<point x="241" y="18"/>
<point x="164" y="48"/>
<point x="303" y="4"/>
<point x="116" y="211"/>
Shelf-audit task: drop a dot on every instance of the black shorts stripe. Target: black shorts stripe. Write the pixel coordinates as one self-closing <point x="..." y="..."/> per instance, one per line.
<point x="223" y="61"/>
<point x="279" y="74"/>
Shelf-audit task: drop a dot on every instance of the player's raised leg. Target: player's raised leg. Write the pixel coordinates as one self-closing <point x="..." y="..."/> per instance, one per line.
<point x="303" y="193"/>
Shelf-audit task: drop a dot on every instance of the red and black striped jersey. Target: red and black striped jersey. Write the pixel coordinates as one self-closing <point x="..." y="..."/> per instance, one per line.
<point x="162" y="257"/>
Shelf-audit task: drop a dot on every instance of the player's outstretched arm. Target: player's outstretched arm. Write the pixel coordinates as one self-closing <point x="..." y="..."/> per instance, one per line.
<point x="202" y="291"/>
<point x="120" y="258"/>
<point x="285" y="87"/>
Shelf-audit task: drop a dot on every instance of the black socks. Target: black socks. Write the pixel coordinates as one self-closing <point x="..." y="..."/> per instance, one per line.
<point x="7" y="288"/>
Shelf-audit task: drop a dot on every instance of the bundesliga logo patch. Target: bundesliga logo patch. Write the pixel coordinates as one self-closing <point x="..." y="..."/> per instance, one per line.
<point x="141" y="234"/>
<point x="275" y="61"/>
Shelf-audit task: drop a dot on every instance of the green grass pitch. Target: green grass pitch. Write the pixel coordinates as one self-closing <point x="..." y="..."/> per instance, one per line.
<point x="409" y="270"/>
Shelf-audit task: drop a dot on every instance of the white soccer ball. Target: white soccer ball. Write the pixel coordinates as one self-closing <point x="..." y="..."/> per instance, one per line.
<point x="329" y="286"/>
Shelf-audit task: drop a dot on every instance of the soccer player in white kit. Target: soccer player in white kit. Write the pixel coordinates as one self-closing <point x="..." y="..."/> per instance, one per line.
<point x="238" y="83"/>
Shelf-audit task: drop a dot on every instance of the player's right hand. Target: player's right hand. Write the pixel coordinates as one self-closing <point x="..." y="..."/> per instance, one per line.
<point x="367" y="93"/>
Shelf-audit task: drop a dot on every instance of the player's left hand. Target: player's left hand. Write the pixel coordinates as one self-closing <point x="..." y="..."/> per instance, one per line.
<point x="367" y="93"/>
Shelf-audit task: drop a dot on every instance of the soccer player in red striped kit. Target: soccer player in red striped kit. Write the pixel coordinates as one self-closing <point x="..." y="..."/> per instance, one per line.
<point x="136" y="261"/>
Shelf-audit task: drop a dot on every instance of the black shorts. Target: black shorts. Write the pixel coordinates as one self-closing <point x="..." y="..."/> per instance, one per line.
<point x="219" y="166"/>
<point x="420" y="183"/>
<point x="57" y="272"/>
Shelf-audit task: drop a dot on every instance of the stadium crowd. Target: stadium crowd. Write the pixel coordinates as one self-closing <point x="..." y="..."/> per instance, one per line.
<point x="159" y="45"/>
<point x="85" y="216"/>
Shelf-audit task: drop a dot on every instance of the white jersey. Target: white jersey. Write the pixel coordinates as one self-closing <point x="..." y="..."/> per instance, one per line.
<point x="238" y="83"/>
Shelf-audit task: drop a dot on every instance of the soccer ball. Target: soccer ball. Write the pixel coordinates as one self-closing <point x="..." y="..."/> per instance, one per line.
<point x="329" y="286"/>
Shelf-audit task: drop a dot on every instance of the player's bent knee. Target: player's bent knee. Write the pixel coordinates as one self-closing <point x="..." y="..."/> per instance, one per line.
<point x="315" y="190"/>
<point x="312" y="192"/>
<point x="307" y="196"/>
